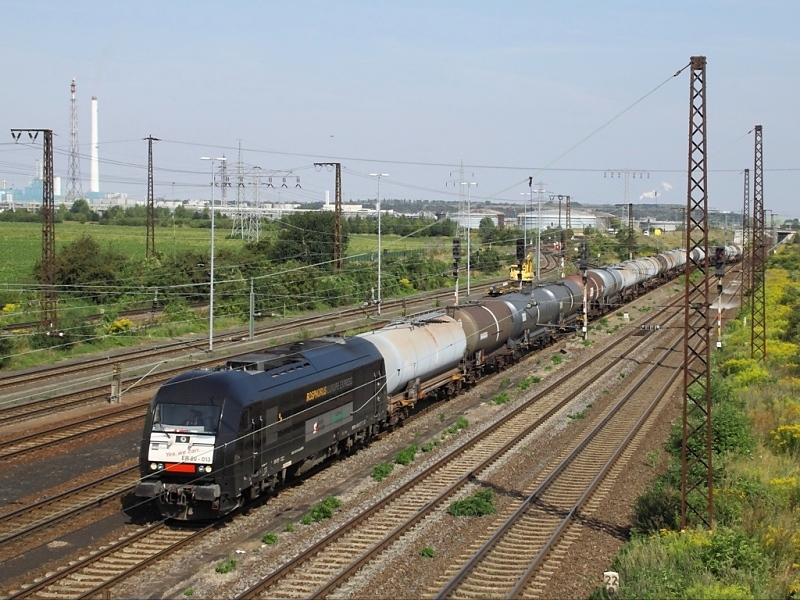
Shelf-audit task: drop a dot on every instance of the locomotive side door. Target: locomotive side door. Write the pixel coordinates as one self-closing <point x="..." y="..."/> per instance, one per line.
<point x="245" y="455"/>
<point x="269" y="434"/>
<point x="257" y="428"/>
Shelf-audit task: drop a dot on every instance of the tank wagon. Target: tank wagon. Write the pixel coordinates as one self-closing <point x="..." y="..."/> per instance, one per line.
<point x="608" y="287"/>
<point x="214" y="438"/>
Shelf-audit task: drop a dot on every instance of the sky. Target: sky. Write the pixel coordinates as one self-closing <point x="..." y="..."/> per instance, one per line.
<point x="578" y="97"/>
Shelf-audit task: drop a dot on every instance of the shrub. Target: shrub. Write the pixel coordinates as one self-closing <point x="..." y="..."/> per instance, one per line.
<point x="122" y="325"/>
<point x="226" y="566"/>
<point x="289" y="527"/>
<point x="731" y="430"/>
<point x="461" y="423"/>
<point x="406" y="456"/>
<point x="427" y="552"/>
<point x="6" y="350"/>
<point x="719" y="591"/>
<point x="324" y="509"/>
<point x="382" y="470"/>
<point x="656" y="509"/>
<point x="731" y="550"/>
<point x="500" y="398"/>
<point x="528" y="381"/>
<point x="786" y="438"/>
<point x="306" y="519"/>
<point x="269" y="538"/>
<point x="478" y="504"/>
<point x="557" y="359"/>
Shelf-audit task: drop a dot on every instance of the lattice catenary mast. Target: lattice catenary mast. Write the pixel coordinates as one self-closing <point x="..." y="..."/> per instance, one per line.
<point x="48" y="270"/>
<point x="338" y="244"/>
<point x="238" y="228"/>
<point x="150" y="246"/>
<point x="697" y="497"/>
<point x="747" y="265"/>
<point x="758" y="325"/>
<point x="74" y="188"/>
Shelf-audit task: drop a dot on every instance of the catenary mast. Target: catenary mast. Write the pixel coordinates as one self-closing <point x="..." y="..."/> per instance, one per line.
<point x="74" y="188"/>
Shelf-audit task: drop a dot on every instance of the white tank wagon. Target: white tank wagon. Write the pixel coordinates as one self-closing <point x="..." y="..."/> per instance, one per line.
<point x="426" y="350"/>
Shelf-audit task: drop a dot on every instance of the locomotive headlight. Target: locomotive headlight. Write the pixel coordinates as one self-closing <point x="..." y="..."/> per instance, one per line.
<point x="208" y="468"/>
<point x="153" y="466"/>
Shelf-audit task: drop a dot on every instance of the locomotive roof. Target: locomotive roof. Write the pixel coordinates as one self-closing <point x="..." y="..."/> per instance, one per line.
<point x="243" y="375"/>
<point x="320" y="353"/>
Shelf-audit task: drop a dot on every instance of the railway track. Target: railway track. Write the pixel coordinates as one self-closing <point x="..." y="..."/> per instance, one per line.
<point x="533" y="536"/>
<point x="30" y="519"/>
<point x="328" y="566"/>
<point x="375" y="545"/>
<point x="425" y="492"/>
<point x="44" y="439"/>
<point x="91" y="575"/>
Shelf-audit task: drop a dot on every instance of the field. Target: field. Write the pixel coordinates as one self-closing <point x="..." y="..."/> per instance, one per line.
<point x="21" y="243"/>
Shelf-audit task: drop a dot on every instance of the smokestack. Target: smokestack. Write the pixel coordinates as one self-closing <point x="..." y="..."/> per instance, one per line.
<point x="94" y="186"/>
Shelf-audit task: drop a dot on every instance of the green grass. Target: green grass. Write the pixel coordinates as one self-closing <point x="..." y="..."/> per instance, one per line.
<point x="427" y="552"/>
<point x="21" y="243"/>
<point x="269" y="538"/>
<point x="324" y="510"/>
<point x="226" y="566"/>
<point x="461" y="423"/>
<point x="406" y="456"/>
<point x="500" y="399"/>
<point x="478" y="504"/>
<point x="382" y="470"/>
<point x="528" y="382"/>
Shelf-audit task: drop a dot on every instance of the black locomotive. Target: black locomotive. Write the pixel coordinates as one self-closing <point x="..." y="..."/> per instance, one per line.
<point x="214" y="438"/>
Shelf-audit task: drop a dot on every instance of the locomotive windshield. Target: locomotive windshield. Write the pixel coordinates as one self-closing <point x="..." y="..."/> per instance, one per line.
<point x="200" y="418"/>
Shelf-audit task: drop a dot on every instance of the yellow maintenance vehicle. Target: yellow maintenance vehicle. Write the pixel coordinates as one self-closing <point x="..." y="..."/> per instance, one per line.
<point x="527" y="270"/>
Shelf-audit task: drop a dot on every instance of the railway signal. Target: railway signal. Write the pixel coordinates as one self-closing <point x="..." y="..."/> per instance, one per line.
<point x="583" y="265"/>
<point x="719" y="261"/>
<point x="456" y="258"/>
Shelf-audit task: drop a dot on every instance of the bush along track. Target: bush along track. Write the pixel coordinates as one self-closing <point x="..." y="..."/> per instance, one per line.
<point x="753" y="549"/>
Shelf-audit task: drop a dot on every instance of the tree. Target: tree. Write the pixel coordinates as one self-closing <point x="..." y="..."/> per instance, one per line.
<point x="487" y="230"/>
<point x="83" y="262"/>
<point x="80" y="211"/>
<point x="308" y="238"/>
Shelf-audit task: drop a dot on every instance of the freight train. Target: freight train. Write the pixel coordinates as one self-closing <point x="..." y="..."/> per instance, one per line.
<point x="215" y="438"/>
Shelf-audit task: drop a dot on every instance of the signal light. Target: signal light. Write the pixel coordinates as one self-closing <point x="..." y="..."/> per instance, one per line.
<point x="520" y="250"/>
<point x="456" y="248"/>
<point x="719" y="260"/>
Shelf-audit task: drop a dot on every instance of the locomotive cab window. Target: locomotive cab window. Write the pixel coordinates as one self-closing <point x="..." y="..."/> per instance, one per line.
<point x="199" y="418"/>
